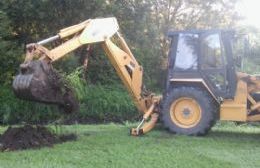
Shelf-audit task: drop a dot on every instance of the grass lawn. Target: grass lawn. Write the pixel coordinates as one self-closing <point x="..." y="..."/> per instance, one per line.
<point x="110" y="145"/>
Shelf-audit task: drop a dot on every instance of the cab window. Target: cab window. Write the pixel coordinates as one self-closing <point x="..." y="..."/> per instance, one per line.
<point x="186" y="55"/>
<point x="211" y="52"/>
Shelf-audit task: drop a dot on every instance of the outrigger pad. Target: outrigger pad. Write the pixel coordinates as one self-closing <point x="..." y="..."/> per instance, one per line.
<point x="39" y="81"/>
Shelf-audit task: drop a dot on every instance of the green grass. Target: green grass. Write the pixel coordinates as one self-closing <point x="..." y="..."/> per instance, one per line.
<point x="110" y="145"/>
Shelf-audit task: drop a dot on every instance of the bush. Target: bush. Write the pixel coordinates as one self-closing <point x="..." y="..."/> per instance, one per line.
<point x="14" y="110"/>
<point x="100" y="103"/>
<point x="251" y="66"/>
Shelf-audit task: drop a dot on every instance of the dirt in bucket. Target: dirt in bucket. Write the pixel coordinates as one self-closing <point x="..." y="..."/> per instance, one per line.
<point x="28" y="137"/>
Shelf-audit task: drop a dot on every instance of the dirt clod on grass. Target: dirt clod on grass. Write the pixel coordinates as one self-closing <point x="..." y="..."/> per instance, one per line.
<point x="28" y="136"/>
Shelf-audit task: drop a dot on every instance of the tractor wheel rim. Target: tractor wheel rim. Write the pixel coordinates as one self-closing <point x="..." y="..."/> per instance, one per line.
<point x="185" y="112"/>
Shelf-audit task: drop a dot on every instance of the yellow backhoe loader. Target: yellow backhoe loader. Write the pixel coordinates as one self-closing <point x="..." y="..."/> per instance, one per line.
<point x="202" y="84"/>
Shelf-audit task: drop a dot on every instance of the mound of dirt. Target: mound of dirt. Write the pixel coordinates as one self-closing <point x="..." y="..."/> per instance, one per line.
<point x="28" y="136"/>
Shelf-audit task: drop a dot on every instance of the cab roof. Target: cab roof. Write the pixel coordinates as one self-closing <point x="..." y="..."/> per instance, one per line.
<point x="172" y="33"/>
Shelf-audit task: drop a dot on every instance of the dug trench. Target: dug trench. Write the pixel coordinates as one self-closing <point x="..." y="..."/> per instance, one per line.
<point x="31" y="137"/>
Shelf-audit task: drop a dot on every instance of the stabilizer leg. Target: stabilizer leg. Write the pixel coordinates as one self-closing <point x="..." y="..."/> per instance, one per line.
<point x="146" y="125"/>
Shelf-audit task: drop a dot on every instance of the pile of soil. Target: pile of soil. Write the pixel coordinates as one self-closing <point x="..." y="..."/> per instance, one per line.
<point x="28" y="136"/>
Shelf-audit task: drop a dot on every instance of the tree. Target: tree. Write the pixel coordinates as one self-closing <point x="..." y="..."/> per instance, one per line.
<point x="9" y="51"/>
<point x="144" y="24"/>
<point x="192" y="14"/>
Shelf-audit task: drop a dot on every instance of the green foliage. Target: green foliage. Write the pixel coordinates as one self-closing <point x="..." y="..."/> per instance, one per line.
<point x="247" y="49"/>
<point x="250" y="67"/>
<point x="143" y="24"/>
<point x="13" y="110"/>
<point x="108" y="104"/>
<point x="100" y="70"/>
<point x="102" y="102"/>
<point x="9" y="51"/>
<point x="98" y="103"/>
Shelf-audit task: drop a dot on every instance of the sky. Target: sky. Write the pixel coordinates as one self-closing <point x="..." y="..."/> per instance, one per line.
<point x="250" y="9"/>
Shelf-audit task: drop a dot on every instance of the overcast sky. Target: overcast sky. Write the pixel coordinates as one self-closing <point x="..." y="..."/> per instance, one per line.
<point x="251" y="10"/>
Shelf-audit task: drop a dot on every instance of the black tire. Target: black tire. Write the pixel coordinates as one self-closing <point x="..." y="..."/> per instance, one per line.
<point x="208" y="110"/>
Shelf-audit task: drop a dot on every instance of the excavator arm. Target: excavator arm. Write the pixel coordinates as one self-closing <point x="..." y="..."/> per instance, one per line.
<point x="36" y="82"/>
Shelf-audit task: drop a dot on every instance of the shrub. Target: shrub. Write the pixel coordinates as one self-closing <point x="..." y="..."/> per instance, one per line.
<point x="102" y="102"/>
<point x="97" y="102"/>
<point x="14" y="110"/>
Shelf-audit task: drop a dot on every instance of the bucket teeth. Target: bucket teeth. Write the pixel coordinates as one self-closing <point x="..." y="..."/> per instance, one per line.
<point x="22" y="82"/>
<point x="38" y="81"/>
<point x="21" y="85"/>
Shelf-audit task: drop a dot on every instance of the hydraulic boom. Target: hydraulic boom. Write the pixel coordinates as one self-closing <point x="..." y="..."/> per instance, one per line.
<point x="38" y="81"/>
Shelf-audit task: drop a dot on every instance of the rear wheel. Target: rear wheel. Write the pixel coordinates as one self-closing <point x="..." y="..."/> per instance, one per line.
<point x="189" y="111"/>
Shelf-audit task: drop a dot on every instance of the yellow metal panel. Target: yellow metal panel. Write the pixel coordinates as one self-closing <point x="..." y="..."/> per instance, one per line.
<point x="65" y="48"/>
<point x="73" y="29"/>
<point x="119" y="60"/>
<point x="98" y="30"/>
<point x="231" y="111"/>
<point x="254" y="118"/>
<point x="235" y="110"/>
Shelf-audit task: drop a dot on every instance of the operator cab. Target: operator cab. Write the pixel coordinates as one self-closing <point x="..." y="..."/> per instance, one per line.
<point x="203" y="57"/>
